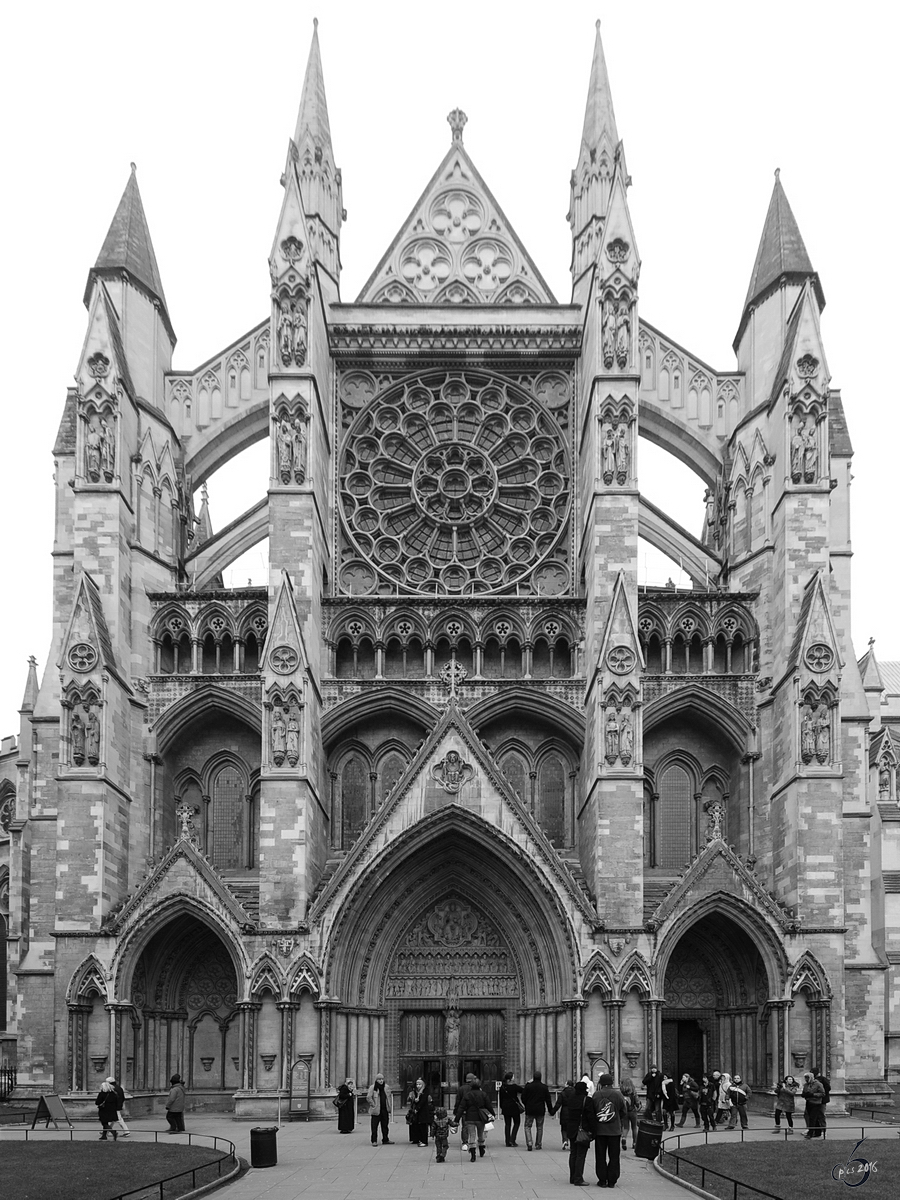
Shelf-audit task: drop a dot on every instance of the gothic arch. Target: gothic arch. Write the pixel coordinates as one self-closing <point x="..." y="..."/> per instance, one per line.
<point x="548" y="709"/>
<point x="178" y="717"/>
<point x="265" y="973"/>
<point x="598" y="976"/>
<point x="305" y="977"/>
<point x="634" y="975"/>
<point x="347" y="716"/>
<point x="720" y="713"/>
<point x="87" y="978"/>
<point x="809" y="974"/>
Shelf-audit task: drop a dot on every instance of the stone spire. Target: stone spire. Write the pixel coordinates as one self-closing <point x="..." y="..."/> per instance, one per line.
<point x="781" y="257"/>
<point x="128" y="247"/>
<point x="31" y="687"/>
<point x="599" y="154"/>
<point x="319" y="178"/>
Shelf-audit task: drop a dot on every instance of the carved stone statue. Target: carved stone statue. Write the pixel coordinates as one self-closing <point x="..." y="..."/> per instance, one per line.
<point x="298" y="323"/>
<point x="451" y="773"/>
<point x="798" y="443"/>
<point x="93" y="453"/>
<point x="451" y="1032"/>
<point x="284" y="438"/>
<point x="77" y="740"/>
<point x="811" y="454"/>
<point x="279" y="737"/>
<point x="92" y="737"/>
<point x="822" y="724"/>
<point x="107" y="451"/>
<point x="609" y="334"/>
<point x="807" y="734"/>
<point x="623" y="453"/>
<point x="709" y="500"/>
<point x="626" y="738"/>
<point x="609" y="454"/>
<point x="623" y="334"/>
<point x="612" y="736"/>
<point x="293" y="738"/>
<point x="285" y="334"/>
<point x="884" y="782"/>
<point x="299" y="450"/>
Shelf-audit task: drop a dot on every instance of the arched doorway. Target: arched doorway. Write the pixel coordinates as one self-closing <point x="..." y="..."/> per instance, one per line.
<point x="184" y="992"/>
<point x="716" y="989"/>
<point x="451" y="955"/>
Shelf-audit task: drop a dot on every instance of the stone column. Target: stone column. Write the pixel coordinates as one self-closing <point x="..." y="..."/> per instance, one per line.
<point x="287" y="1008"/>
<point x="821" y="1031"/>
<point x="325" y="1008"/>
<point x="575" y="1010"/>
<point x="614" y="1027"/>
<point x="652" y="1029"/>
<point x="248" y="1010"/>
<point x="119" y="1028"/>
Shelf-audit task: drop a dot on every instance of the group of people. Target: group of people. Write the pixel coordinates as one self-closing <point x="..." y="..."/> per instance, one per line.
<point x="111" y="1101"/>
<point x="719" y="1099"/>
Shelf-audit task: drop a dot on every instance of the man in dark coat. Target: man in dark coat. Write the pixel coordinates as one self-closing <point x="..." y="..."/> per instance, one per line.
<point x="612" y="1122"/>
<point x="652" y="1081"/>
<point x="579" y="1114"/>
<point x="536" y="1098"/>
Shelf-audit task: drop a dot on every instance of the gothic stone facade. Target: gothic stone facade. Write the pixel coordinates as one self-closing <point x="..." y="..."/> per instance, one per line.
<point x="453" y="792"/>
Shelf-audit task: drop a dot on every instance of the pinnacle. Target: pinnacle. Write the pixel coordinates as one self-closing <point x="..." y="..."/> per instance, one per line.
<point x="598" y="115"/>
<point x="457" y="121"/>
<point x="312" y="118"/>
<point x="128" y="246"/>
<point x="781" y="248"/>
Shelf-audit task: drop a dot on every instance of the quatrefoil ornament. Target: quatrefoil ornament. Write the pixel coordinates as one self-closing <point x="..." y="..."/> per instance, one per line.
<point x="621" y="660"/>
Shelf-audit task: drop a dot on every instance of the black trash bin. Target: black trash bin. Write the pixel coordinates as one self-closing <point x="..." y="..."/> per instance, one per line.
<point x="263" y="1149"/>
<point x="649" y="1136"/>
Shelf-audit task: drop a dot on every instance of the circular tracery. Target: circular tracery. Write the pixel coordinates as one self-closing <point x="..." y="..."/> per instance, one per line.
<point x="454" y="483"/>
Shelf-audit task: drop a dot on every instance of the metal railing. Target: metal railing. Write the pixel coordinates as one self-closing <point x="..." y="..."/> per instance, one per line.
<point x="156" y="1187"/>
<point x="7" y="1082"/>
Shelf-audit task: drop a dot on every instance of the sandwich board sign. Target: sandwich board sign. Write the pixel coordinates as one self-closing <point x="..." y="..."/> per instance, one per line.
<point x="51" y="1108"/>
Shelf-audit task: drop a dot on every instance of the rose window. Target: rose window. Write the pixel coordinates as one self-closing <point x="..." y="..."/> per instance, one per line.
<point x="455" y="484"/>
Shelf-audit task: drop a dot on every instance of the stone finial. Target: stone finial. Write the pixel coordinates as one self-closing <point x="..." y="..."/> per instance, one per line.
<point x="457" y="120"/>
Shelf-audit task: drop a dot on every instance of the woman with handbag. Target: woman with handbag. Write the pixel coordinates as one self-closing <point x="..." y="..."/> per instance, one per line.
<point x="511" y="1107"/>
<point x="475" y="1109"/>
<point x="581" y="1129"/>
<point x="419" y="1114"/>
<point x="346" y="1106"/>
<point x="633" y="1107"/>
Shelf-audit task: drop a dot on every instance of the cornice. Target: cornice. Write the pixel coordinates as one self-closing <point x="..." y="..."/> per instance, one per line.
<point x="552" y="342"/>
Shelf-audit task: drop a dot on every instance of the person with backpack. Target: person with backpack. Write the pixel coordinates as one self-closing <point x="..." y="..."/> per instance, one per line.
<point x="474" y="1109"/>
<point x="690" y="1099"/>
<point x="612" y="1121"/>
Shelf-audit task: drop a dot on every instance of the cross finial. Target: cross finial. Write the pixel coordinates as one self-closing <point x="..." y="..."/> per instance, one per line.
<point x="457" y="120"/>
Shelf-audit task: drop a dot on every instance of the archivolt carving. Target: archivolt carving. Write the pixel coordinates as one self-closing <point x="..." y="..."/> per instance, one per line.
<point x="455" y="483"/>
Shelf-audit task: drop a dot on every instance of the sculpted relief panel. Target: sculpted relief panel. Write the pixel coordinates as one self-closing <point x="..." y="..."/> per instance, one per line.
<point x="455" y="484"/>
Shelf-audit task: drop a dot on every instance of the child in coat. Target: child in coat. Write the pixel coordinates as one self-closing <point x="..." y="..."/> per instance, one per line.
<point x="440" y="1131"/>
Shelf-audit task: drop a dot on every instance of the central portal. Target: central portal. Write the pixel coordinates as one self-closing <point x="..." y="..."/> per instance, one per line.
<point x="444" y="1047"/>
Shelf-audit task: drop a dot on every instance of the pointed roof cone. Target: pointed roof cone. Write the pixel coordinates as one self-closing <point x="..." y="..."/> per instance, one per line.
<point x="31" y="687"/>
<point x="868" y="669"/>
<point x="312" y="119"/>
<point x="598" y="114"/>
<point x="204" y="523"/>
<point x="128" y="247"/>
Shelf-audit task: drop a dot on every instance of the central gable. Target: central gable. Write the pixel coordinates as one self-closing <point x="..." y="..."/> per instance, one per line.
<point x="456" y="247"/>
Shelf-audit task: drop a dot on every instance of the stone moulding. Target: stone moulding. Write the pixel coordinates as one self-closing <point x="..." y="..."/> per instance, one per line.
<point x="350" y="342"/>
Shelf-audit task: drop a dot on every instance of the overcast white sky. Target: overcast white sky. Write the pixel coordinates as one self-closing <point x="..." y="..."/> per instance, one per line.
<point x="710" y="98"/>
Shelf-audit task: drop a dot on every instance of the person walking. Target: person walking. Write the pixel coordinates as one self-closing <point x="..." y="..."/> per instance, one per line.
<point x="440" y="1131"/>
<point x="107" y="1101"/>
<point x="511" y="1107"/>
<point x="565" y="1098"/>
<point x="474" y="1109"/>
<point x="612" y="1120"/>
<point x="690" y="1099"/>
<point x="537" y="1101"/>
<point x="346" y="1099"/>
<point x="380" y="1108"/>
<point x="419" y="1114"/>
<point x="670" y="1100"/>
<point x="707" y="1102"/>
<point x="785" y="1102"/>
<point x="120" y="1104"/>
<point x="652" y="1083"/>
<point x="175" y="1105"/>
<point x="581" y="1121"/>
<point x="739" y="1095"/>
<point x="633" y="1107"/>
<point x="814" y="1095"/>
<point x="723" y="1098"/>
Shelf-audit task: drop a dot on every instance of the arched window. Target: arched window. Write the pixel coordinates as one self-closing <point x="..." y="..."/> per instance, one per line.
<point x="720" y="655"/>
<point x="739" y="655"/>
<point x="166" y="655"/>
<point x="226" y="819"/>
<point x="354" y="799"/>
<point x="561" y="659"/>
<point x="415" y="658"/>
<point x="490" y="662"/>
<point x="516" y="773"/>
<point x="392" y="767"/>
<point x="540" y="659"/>
<point x="209" y="655"/>
<point x="464" y="654"/>
<point x="654" y="655"/>
<point x="226" y="655"/>
<point x="676" y="803"/>
<point x="695" y="655"/>
<point x="512" y="659"/>
<point x="365" y="659"/>
<point x="393" y="658"/>
<point x="552" y="799"/>
<point x="251" y="653"/>
<point x="679" y="655"/>
<point x="343" y="659"/>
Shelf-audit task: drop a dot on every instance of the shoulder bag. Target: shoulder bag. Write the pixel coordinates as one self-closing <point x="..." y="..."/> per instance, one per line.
<point x="582" y="1136"/>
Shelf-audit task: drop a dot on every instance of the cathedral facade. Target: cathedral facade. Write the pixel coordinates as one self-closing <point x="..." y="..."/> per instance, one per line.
<point x="452" y="793"/>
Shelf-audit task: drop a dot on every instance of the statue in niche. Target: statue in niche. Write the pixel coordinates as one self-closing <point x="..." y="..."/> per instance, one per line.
<point x="298" y="332"/>
<point x="451" y="772"/>
<point x="107" y="451"/>
<point x="623" y="334"/>
<point x="810" y="454"/>
<point x="884" y="782"/>
<point x="299" y="450"/>
<point x="77" y="740"/>
<point x="612" y="736"/>
<point x="798" y="444"/>
<point x="626" y="738"/>
<point x="609" y="454"/>
<point x="92" y="737"/>
<point x="279" y="737"/>
<point x="285" y="334"/>
<point x="451" y="1032"/>
<point x="709" y="500"/>
<point x="623" y="453"/>
<point x="807" y="734"/>
<point x="93" y="453"/>
<point x="293" y="738"/>
<point x="609" y="334"/>
<point x="822" y="725"/>
<point x="284" y="440"/>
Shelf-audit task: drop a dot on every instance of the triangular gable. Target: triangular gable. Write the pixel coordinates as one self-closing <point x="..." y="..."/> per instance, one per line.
<point x="183" y="871"/>
<point x="815" y="634"/>
<point x="103" y="362"/>
<point x="868" y="670"/>
<point x="885" y="747"/>
<point x="289" y="258"/>
<point x="618" y="254"/>
<point x="456" y="247"/>
<point x="718" y="869"/>
<point x="620" y="649"/>
<point x="454" y="767"/>
<point x="802" y="366"/>
<point x="285" y="650"/>
<point x="86" y="644"/>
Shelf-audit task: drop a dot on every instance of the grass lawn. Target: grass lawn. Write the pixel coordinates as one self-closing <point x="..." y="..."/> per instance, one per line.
<point x="95" y="1170"/>
<point x="794" y="1170"/>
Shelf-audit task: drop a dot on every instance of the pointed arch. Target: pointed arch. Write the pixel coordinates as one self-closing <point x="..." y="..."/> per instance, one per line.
<point x="634" y="975"/>
<point x="345" y="717"/>
<point x="89" y="977"/>
<point x="175" y="720"/>
<point x="809" y="975"/>
<point x="265" y="974"/>
<point x="305" y="977"/>
<point x="719" y="711"/>
<point x="536" y="704"/>
<point x="598" y="976"/>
